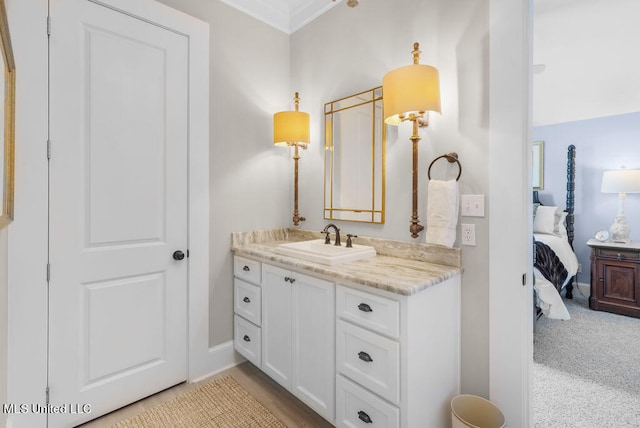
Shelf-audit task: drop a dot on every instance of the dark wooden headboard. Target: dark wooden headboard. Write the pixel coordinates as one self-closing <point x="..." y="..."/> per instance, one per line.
<point x="571" y="191"/>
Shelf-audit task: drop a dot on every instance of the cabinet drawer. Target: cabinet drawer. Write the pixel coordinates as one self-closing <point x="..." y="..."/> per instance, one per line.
<point x="247" y="340"/>
<point x="369" y="359"/>
<point x="368" y="310"/>
<point x="615" y="254"/>
<point x="247" y="269"/>
<point x="247" y="302"/>
<point x="357" y="407"/>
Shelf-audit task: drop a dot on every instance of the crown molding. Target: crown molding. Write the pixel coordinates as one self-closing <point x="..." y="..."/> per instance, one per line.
<point x="287" y="16"/>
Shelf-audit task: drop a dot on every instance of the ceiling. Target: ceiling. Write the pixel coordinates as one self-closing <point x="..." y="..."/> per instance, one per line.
<point x="285" y="15"/>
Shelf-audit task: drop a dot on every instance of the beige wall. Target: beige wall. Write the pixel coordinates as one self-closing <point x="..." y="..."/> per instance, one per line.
<point x="349" y="50"/>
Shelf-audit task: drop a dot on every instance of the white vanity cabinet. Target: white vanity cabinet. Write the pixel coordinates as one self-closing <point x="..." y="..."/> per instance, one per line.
<point x="358" y="355"/>
<point x="247" y="309"/>
<point x="397" y="357"/>
<point x="298" y="336"/>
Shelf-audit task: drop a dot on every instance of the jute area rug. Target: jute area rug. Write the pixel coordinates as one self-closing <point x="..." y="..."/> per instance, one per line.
<point x="219" y="403"/>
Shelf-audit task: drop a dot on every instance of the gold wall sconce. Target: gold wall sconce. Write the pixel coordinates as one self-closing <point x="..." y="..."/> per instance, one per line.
<point x="291" y="129"/>
<point x="410" y="92"/>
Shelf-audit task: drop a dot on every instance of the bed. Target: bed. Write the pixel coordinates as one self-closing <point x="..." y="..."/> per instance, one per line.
<point x="555" y="263"/>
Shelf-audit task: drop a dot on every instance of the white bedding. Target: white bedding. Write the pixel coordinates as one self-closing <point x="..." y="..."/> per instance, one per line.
<point x="549" y="299"/>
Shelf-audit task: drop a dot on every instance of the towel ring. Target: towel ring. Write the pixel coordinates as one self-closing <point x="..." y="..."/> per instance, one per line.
<point x="451" y="157"/>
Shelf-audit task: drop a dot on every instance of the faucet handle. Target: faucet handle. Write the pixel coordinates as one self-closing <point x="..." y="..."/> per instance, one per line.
<point x="349" y="236"/>
<point x="327" y="237"/>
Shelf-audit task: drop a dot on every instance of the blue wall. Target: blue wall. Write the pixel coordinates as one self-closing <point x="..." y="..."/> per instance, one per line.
<point x="602" y="144"/>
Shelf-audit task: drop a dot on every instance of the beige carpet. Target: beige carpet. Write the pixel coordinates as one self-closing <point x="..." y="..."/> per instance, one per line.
<point x="219" y="403"/>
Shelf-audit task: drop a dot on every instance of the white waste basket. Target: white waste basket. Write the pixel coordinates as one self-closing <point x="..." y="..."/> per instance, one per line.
<point x="471" y="411"/>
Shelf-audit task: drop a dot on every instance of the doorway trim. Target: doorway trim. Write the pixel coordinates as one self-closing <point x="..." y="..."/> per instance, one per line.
<point x="510" y="262"/>
<point x="28" y="311"/>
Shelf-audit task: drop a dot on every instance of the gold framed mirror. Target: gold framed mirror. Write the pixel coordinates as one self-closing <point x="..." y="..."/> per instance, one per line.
<point x="538" y="165"/>
<point x="7" y="93"/>
<point x="354" y="162"/>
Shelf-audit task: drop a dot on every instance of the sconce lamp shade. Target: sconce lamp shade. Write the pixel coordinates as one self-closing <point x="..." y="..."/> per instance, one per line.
<point x="290" y="127"/>
<point x="410" y="89"/>
<point x="621" y="181"/>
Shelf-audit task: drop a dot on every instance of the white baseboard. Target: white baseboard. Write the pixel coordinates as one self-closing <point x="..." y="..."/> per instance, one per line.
<point x="584" y="289"/>
<point x="220" y="357"/>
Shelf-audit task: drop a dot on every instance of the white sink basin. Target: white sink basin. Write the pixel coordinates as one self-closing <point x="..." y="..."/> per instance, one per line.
<point x="327" y="254"/>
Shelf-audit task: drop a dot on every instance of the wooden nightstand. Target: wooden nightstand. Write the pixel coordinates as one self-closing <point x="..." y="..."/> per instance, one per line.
<point x="615" y="277"/>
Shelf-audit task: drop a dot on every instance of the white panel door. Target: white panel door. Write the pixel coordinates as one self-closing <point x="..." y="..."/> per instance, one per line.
<point x="313" y="320"/>
<point x="118" y="209"/>
<point x="276" y="324"/>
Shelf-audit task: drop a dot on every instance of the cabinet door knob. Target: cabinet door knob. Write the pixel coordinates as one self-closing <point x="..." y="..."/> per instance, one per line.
<point x="365" y="357"/>
<point x="246" y="300"/>
<point x="364" y="417"/>
<point x="246" y="268"/>
<point x="364" y="307"/>
<point x="292" y="280"/>
<point x="246" y="338"/>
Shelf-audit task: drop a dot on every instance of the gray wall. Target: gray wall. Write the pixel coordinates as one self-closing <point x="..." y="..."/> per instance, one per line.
<point x="4" y="343"/>
<point x="349" y="50"/>
<point x="254" y="72"/>
<point x="250" y="178"/>
<point x="602" y="144"/>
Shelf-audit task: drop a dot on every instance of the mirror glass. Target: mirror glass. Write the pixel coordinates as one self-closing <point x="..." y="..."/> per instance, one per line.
<point x="354" y="161"/>
<point x="7" y="105"/>
<point x="538" y="165"/>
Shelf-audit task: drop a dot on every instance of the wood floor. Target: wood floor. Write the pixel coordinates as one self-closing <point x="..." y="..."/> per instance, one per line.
<point x="291" y="411"/>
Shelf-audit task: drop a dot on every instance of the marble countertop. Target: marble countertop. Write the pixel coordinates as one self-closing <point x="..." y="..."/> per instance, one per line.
<point x="398" y="267"/>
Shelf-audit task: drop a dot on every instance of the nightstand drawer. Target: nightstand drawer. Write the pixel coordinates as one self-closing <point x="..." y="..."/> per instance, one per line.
<point x="247" y="269"/>
<point x="615" y="254"/>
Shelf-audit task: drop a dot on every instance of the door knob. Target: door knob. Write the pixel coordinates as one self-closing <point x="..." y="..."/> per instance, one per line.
<point x="178" y="255"/>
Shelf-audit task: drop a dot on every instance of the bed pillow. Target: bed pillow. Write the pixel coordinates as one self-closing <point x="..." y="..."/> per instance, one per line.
<point x="560" y="227"/>
<point x="547" y="220"/>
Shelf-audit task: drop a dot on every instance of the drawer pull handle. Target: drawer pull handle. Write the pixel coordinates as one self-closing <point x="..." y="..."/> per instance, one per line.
<point x="364" y="417"/>
<point x="246" y="300"/>
<point x="246" y="338"/>
<point x="364" y="307"/>
<point x="365" y="357"/>
<point x="246" y="268"/>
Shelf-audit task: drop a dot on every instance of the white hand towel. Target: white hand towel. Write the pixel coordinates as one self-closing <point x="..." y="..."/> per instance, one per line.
<point x="442" y="212"/>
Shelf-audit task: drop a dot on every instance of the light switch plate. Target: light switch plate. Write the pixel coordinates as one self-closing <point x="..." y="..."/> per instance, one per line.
<point x="472" y="205"/>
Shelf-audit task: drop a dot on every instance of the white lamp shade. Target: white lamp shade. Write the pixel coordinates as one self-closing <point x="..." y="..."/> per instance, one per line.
<point x="410" y="89"/>
<point x="290" y="127"/>
<point x="621" y="181"/>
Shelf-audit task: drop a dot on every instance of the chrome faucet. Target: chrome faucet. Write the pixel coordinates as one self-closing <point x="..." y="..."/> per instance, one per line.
<point x="327" y="239"/>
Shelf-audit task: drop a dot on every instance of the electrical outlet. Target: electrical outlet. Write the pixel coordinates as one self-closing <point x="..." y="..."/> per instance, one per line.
<point x="469" y="234"/>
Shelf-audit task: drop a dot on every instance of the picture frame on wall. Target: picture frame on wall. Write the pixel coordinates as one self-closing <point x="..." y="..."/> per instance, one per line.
<point x="538" y="165"/>
<point x="7" y="104"/>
